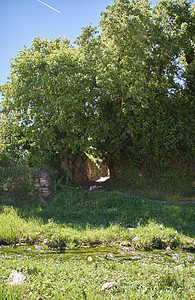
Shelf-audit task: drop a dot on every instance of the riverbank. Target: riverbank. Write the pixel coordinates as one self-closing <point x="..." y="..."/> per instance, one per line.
<point x="36" y="272"/>
<point x="104" y="245"/>
<point x="76" y="218"/>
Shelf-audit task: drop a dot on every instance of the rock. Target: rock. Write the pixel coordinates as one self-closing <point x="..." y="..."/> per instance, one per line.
<point x="110" y="255"/>
<point x="44" y="182"/>
<point x="45" y="192"/>
<point x="125" y="243"/>
<point x="107" y="286"/>
<point x="41" y="183"/>
<point x="37" y="247"/>
<point x="130" y="229"/>
<point x="100" y="257"/>
<point x="89" y="258"/>
<point x="16" y="278"/>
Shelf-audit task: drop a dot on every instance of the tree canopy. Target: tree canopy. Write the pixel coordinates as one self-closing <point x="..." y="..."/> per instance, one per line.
<point x="46" y="101"/>
<point x="126" y="91"/>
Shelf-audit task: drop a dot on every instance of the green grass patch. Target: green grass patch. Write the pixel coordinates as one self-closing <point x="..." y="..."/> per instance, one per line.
<point x="54" y="276"/>
<point x="169" y="184"/>
<point x="76" y="218"/>
<point x="61" y="247"/>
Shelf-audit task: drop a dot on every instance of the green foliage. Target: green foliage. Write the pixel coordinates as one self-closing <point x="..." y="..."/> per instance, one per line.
<point x="126" y="91"/>
<point x="45" y="102"/>
<point x="143" y="110"/>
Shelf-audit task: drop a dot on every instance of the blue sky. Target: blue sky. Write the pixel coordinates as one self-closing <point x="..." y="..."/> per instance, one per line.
<point x="23" y="20"/>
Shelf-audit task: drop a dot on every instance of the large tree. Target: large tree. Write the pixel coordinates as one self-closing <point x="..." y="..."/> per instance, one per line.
<point x="127" y="90"/>
<point x="46" y="102"/>
<point x="140" y="77"/>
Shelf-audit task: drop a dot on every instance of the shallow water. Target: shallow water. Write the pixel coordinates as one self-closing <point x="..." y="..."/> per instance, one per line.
<point x="115" y="253"/>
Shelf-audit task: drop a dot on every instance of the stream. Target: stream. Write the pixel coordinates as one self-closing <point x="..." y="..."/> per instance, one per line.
<point x="116" y="253"/>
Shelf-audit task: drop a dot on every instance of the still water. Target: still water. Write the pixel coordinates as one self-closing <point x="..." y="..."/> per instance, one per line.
<point x="96" y="254"/>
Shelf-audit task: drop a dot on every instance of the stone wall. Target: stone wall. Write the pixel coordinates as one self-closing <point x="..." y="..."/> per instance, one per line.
<point x="38" y="185"/>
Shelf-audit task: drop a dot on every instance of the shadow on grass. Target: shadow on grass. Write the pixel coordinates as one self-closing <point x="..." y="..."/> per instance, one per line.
<point x="80" y="208"/>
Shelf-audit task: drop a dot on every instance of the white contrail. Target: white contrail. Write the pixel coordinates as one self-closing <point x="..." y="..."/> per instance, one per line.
<point x="49" y="6"/>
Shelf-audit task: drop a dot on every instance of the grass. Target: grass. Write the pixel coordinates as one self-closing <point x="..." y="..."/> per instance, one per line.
<point x="173" y="183"/>
<point x="55" y="277"/>
<point x="78" y="220"/>
<point x="73" y="218"/>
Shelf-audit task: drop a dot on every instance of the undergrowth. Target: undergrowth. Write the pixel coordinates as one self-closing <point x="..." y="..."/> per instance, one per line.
<point x="171" y="184"/>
